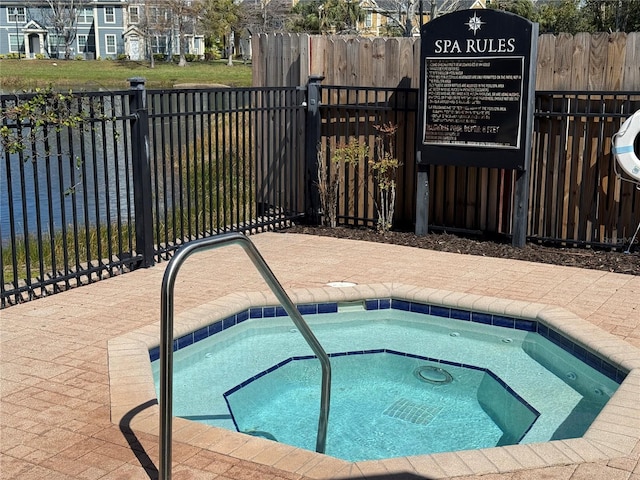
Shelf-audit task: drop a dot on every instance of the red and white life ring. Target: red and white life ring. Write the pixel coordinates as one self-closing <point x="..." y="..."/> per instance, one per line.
<point x="623" y="146"/>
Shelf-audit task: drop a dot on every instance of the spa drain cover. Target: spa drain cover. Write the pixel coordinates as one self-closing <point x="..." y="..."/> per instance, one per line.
<point x="412" y="412"/>
<point x="435" y="375"/>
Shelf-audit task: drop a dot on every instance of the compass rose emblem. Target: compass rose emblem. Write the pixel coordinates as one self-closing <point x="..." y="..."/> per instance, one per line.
<point x="474" y="23"/>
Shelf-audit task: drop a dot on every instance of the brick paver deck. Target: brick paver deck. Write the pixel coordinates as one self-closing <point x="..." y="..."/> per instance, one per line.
<point x="56" y="404"/>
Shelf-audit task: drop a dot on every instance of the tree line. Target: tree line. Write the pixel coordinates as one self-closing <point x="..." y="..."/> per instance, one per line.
<point x="574" y="16"/>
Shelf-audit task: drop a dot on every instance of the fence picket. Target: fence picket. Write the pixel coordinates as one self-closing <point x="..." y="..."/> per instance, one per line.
<point x="378" y="77"/>
<point x="631" y="78"/>
<point x="580" y="62"/>
<point x="598" y="61"/>
<point x="545" y="62"/>
<point x="615" y="61"/>
<point x="563" y="62"/>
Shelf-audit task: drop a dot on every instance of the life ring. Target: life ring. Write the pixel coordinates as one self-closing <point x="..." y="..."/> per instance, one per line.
<point x="623" y="146"/>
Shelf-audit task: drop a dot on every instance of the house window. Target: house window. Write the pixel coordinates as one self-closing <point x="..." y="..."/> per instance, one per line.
<point x="134" y="14"/>
<point x="110" y="41"/>
<point x="368" y="20"/>
<point x="16" y="43"/>
<point x="109" y="15"/>
<point x="16" y="15"/>
<point x="56" y="45"/>
<point x="82" y="43"/>
<point x="159" y="44"/>
<point x="158" y="15"/>
<point x="85" y="15"/>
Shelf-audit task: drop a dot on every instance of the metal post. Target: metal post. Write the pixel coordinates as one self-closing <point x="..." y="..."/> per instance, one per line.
<point x="422" y="197"/>
<point x="312" y="144"/>
<point x="166" y="339"/>
<point x="142" y="192"/>
<point x="520" y="214"/>
<point x="520" y="208"/>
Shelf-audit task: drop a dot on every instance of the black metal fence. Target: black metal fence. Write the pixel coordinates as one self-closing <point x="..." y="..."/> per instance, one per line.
<point x="139" y="173"/>
<point x="351" y="114"/>
<point x="576" y="196"/>
<point x="223" y="160"/>
<point x="127" y="177"/>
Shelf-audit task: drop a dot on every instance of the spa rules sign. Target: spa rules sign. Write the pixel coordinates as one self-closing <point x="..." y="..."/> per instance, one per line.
<point x="477" y="89"/>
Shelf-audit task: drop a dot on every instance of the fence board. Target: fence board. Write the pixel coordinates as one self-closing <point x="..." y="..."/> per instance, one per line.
<point x="365" y="60"/>
<point x="580" y="62"/>
<point x="574" y="180"/>
<point x="259" y="45"/>
<point x="392" y="63"/>
<point x="317" y="55"/>
<point x="598" y="61"/>
<point x="483" y="179"/>
<point x="415" y="79"/>
<point x="545" y="62"/>
<point x="563" y="62"/>
<point x="564" y="179"/>
<point x="615" y="62"/>
<point x="631" y="78"/>
<point x="378" y="77"/>
<point x="407" y="62"/>
<point x="353" y="62"/>
<point x="305" y="58"/>
<point x="289" y="59"/>
<point x="338" y="76"/>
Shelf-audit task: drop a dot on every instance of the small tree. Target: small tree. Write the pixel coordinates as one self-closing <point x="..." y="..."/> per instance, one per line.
<point x="28" y="122"/>
<point x="184" y="16"/>
<point x="331" y="177"/>
<point x="218" y="19"/>
<point x="62" y="15"/>
<point x="384" y="169"/>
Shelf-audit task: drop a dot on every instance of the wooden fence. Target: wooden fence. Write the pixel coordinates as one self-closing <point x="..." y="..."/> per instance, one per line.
<point x="594" y="62"/>
<point x="575" y="195"/>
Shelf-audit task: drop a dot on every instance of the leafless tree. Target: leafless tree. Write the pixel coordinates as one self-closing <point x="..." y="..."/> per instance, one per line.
<point x="185" y="14"/>
<point x="62" y="16"/>
<point x="155" y="25"/>
<point x="264" y="16"/>
<point x="404" y="16"/>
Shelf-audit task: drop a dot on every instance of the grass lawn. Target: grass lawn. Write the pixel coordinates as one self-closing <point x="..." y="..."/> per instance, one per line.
<point x="91" y="75"/>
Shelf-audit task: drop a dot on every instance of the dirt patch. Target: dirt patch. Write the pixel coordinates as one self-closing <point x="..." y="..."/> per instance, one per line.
<point x="596" y="259"/>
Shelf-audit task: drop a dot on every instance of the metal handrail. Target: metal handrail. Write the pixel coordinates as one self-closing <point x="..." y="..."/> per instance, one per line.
<point x="166" y="339"/>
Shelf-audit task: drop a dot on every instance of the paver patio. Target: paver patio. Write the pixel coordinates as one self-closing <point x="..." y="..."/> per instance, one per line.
<point x="55" y="409"/>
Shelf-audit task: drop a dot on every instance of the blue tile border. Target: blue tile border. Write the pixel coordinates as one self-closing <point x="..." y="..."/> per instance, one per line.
<point x="591" y="359"/>
<point x="501" y="382"/>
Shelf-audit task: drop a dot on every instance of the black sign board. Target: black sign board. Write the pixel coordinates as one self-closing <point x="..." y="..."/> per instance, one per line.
<point x="477" y="88"/>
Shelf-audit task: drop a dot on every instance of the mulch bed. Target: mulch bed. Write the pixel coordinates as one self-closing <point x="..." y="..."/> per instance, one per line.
<point x="611" y="260"/>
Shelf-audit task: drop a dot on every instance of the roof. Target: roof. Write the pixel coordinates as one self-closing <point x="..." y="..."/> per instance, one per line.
<point x="448" y="6"/>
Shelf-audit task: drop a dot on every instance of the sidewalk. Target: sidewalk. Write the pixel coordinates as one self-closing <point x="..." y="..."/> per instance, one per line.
<point x="55" y="410"/>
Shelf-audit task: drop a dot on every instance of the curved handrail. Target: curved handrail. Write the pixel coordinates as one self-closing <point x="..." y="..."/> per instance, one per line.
<point x="166" y="339"/>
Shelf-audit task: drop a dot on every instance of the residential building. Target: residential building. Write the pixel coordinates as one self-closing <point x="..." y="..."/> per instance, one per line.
<point x="386" y="17"/>
<point x="90" y="29"/>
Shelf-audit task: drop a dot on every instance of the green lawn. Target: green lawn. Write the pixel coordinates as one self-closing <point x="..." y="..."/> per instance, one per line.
<point x="91" y="75"/>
